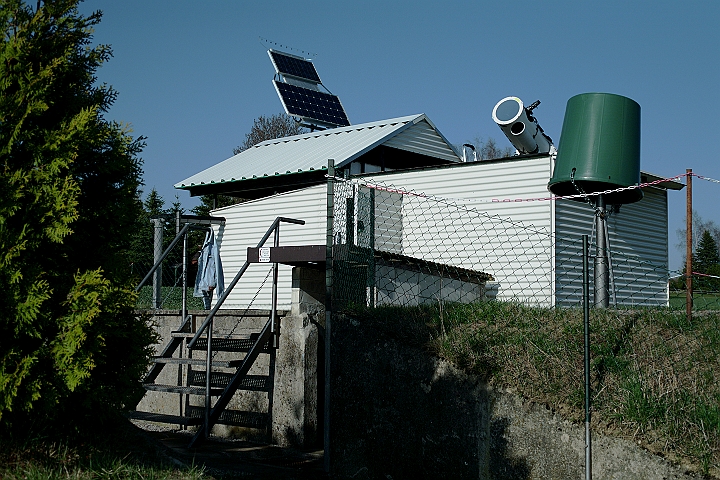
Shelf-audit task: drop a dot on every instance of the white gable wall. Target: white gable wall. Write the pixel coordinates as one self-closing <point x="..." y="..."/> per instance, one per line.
<point x="245" y="225"/>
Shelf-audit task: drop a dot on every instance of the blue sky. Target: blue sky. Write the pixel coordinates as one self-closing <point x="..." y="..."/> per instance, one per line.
<point x="193" y="75"/>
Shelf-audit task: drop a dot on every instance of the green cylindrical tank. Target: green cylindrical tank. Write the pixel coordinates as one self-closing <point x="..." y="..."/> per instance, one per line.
<point x="600" y="142"/>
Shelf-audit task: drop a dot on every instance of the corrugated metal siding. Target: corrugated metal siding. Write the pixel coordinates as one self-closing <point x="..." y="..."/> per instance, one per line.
<point x="388" y="221"/>
<point x="246" y="223"/>
<point x="461" y="227"/>
<point x="638" y="245"/>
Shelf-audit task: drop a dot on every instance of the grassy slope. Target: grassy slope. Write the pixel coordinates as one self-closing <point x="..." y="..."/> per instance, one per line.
<point x="654" y="375"/>
<point x="118" y="453"/>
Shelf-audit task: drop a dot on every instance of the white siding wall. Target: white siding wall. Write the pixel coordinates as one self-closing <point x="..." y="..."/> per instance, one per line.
<point x="246" y="223"/>
<point x="639" y="246"/>
<point x="462" y="227"/>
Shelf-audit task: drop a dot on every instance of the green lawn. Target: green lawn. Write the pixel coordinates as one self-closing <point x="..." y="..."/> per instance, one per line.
<point x="701" y="301"/>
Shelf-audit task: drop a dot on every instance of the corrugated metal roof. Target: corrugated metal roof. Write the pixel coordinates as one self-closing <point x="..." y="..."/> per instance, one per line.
<point x="310" y="151"/>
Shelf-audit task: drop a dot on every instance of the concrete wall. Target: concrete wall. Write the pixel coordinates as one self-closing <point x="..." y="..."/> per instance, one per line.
<point x="289" y="409"/>
<point x="398" y="413"/>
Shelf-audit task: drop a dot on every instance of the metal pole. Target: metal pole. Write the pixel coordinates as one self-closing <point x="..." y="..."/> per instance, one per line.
<point x="184" y="276"/>
<point x="158" y="240"/>
<point x="688" y="247"/>
<point x="586" y="322"/>
<point x="274" y="331"/>
<point x="328" y="308"/>
<point x="184" y="310"/>
<point x="208" y="365"/>
<point x="602" y="299"/>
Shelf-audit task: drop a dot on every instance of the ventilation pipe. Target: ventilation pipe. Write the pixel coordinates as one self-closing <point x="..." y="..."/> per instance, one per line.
<point x="464" y="152"/>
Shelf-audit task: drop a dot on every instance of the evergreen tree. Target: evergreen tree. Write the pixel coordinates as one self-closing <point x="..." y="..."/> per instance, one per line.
<point x="70" y="344"/>
<point x="707" y="261"/>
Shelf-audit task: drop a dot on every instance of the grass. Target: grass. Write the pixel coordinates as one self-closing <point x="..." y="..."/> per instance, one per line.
<point x="171" y="298"/>
<point x="701" y="300"/>
<point x="119" y="454"/>
<point x="654" y="374"/>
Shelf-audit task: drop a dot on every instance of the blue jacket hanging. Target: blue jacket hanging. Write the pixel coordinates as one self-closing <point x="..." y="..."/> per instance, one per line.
<point x="210" y="272"/>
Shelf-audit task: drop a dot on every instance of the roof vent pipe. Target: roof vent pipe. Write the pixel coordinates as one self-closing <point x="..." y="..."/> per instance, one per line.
<point x="464" y="152"/>
<point x="521" y="127"/>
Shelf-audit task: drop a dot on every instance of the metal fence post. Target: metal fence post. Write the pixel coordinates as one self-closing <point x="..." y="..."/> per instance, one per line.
<point x="586" y="323"/>
<point x="158" y="250"/>
<point x="328" y="308"/>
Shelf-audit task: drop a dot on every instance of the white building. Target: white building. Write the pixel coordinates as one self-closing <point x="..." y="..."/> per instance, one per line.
<point x="408" y="193"/>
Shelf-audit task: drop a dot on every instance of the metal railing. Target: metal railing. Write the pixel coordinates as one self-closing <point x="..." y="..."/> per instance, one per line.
<point x="207" y="325"/>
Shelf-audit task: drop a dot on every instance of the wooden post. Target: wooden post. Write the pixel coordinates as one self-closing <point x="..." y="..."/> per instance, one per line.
<point x="688" y="248"/>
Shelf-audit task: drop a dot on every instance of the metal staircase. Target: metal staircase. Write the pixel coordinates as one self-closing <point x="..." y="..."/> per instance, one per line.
<point x="214" y="366"/>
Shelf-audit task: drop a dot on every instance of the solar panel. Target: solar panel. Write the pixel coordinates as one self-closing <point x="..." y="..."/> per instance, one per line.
<point x="312" y="104"/>
<point x="295" y="66"/>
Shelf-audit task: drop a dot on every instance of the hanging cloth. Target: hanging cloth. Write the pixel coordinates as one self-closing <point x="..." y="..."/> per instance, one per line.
<point x="210" y="272"/>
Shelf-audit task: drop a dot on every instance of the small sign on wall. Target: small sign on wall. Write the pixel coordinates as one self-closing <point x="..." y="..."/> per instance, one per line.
<point x="264" y="255"/>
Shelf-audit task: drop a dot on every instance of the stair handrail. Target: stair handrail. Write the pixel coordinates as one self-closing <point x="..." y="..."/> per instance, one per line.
<point x="240" y="273"/>
<point x="190" y="221"/>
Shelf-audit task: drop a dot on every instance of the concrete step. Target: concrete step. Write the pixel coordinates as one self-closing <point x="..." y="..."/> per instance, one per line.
<point x="165" y="418"/>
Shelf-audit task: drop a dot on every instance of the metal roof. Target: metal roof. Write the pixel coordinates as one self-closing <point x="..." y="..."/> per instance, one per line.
<point x="310" y="151"/>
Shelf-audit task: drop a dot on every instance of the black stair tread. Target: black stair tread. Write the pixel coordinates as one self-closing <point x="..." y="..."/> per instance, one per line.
<point x="197" y="361"/>
<point x="257" y="383"/>
<point x="165" y="418"/>
<point x="156" y="387"/>
<point x="228" y="344"/>
<point x="235" y="418"/>
<point x="236" y="336"/>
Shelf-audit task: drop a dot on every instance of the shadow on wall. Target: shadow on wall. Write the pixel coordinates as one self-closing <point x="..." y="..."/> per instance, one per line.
<point x="398" y="413"/>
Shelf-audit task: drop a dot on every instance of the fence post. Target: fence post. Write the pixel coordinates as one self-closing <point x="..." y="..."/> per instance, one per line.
<point x="688" y="247"/>
<point x="328" y="308"/>
<point x="602" y="299"/>
<point x="158" y="250"/>
<point x="586" y="323"/>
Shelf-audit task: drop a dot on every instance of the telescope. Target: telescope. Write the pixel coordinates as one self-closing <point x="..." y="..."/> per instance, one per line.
<point x="520" y="126"/>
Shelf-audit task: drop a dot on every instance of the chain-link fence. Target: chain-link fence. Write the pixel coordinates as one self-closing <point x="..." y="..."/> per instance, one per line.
<point x="170" y="295"/>
<point x="167" y="293"/>
<point x="394" y="245"/>
<point x="704" y="275"/>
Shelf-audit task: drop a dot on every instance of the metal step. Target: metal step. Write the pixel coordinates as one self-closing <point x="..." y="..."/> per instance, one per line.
<point x="156" y="387"/>
<point x="235" y="418"/>
<point x="255" y="383"/>
<point x="197" y="361"/>
<point x="165" y="418"/>
<point x="228" y="344"/>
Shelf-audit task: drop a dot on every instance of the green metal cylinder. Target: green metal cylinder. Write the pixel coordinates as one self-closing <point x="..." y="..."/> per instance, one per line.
<point x="599" y="148"/>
